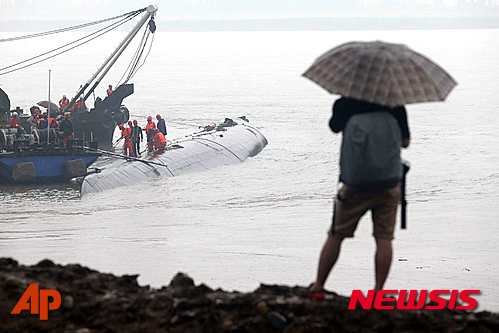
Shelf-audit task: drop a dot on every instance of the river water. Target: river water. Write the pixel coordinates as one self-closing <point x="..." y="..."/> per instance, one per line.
<point x="265" y="220"/>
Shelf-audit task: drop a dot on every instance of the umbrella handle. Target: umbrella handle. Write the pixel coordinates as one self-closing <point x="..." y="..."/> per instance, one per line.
<point x="403" y="211"/>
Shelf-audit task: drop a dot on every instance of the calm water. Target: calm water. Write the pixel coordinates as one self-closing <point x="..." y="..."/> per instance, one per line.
<point x="265" y="220"/>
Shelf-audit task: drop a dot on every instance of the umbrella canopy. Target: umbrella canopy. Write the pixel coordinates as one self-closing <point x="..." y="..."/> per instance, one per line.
<point x="45" y="104"/>
<point x="382" y="73"/>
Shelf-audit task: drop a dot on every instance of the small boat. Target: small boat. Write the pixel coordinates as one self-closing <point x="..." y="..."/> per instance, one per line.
<point x="231" y="142"/>
<point x="99" y="122"/>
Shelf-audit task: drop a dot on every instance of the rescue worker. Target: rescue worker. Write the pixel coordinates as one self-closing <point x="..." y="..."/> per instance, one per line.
<point x="159" y="140"/>
<point x="161" y="124"/>
<point x="13" y="121"/>
<point x="64" y="102"/>
<point x="66" y="127"/>
<point x="43" y="122"/>
<point x="80" y="105"/>
<point x="58" y="120"/>
<point x="127" y="146"/>
<point x="130" y="124"/>
<point x="15" y="124"/>
<point x="137" y="137"/>
<point x="33" y="120"/>
<point x="150" y="127"/>
<point x="53" y="123"/>
<point x="110" y="90"/>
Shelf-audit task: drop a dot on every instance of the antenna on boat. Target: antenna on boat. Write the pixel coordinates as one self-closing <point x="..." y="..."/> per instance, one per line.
<point x="48" y="114"/>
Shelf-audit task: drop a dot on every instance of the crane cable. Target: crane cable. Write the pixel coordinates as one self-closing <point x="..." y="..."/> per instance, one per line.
<point x="109" y="28"/>
<point x="84" y="25"/>
<point x="134" y="66"/>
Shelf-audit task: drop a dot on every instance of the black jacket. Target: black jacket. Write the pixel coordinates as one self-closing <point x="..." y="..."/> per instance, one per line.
<point x="66" y="126"/>
<point x="161" y="126"/>
<point x="346" y="107"/>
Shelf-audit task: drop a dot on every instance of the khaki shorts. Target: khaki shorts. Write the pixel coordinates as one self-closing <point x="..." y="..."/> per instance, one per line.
<point x="353" y="204"/>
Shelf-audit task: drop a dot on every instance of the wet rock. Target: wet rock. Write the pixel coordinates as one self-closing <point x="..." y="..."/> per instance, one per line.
<point x="228" y="325"/>
<point x="96" y="302"/>
<point x="183" y="305"/>
<point x="8" y="264"/>
<point x="129" y="280"/>
<point x="13" y="283"/>
<point x="83" y="330"/>
<point x="68" y="302"/>
<point x="46" y="263"/>
<point x="181" y="280"/>
<point x="262" y="307"/>
<point x="276" y="321"/>
<point x="175" y="320"/>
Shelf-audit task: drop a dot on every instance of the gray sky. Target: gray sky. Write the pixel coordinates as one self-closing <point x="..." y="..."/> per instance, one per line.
<point x="243" y="9"/>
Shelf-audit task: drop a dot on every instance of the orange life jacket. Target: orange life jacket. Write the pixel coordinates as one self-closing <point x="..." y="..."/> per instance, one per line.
<point x="63" y="102"/>
<point x="109" y="91"/>
<point x="126" y="133"/>
<point x="159" y="141"/>
<point x="53" y="123"/>
<point x="150" y="126"/>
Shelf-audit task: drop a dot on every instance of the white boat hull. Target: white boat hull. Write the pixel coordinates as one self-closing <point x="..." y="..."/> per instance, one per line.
<point x="195" y="153"/>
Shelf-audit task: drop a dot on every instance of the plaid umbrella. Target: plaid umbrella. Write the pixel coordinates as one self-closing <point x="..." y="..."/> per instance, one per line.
<point x="382" y="73"/>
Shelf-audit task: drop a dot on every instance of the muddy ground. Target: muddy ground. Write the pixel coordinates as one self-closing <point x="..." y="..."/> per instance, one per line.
<point x="98" y="302"/>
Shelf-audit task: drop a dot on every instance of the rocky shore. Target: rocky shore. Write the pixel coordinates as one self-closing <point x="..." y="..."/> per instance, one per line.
<point x="98" y="302"/>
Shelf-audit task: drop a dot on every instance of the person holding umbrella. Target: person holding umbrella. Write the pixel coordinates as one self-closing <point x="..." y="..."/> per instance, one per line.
<point x="375" y="80"/>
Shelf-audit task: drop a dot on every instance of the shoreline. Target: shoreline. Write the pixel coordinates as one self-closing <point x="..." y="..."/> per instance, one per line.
<point x="99" y="302"/>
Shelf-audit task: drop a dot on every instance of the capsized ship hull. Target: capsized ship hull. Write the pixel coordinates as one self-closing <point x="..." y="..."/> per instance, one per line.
<point x="197" y="152"/>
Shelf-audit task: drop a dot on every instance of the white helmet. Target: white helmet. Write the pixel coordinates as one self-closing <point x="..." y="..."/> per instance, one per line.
<point x="14" y="114"/>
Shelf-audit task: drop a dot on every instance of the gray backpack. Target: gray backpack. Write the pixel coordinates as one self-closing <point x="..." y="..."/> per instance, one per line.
<point x="370" y="151"/>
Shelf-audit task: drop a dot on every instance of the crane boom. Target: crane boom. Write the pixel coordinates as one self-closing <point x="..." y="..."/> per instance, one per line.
<point x="106" y="66"/>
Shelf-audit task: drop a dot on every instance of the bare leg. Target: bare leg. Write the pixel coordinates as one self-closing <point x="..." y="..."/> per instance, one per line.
<point x="329" y="255"/>
<point x="383" y="261"/>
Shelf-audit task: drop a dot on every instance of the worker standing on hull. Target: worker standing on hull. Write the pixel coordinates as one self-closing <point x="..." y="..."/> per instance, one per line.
<point x="161" y="125"/>
<point x="137" y="137"/>
<point x="150" y="127"/>
<point x="127" y="146"/>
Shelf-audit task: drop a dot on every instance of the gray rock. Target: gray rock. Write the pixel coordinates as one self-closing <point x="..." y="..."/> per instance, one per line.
<point x="181" y="280"/>
<point x="277" y="321"/>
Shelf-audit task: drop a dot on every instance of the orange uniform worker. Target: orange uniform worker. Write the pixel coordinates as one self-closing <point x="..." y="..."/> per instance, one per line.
<point x="150" y="127"/>
<point x="159" y="140"/>
<point x="63" y="103"/>
<point x="127" y="146"/>
<point x="110" y="90"/>
<point x="79" y="105"/>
